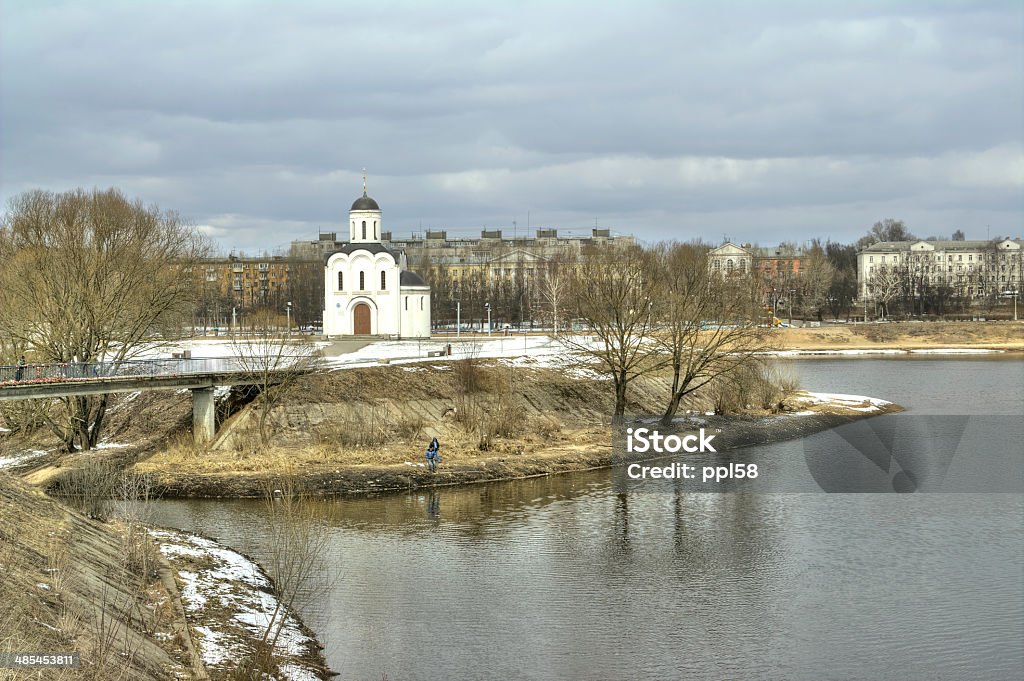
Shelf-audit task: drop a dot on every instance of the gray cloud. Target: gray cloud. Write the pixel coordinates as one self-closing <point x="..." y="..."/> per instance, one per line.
<point x="662" y="119"/>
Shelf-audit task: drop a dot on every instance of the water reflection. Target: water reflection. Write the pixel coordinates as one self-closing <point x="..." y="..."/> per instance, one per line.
<point x="568" y="577"/>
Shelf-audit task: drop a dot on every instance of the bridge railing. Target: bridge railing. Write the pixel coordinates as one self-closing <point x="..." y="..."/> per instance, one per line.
<point x="84" y="371"/>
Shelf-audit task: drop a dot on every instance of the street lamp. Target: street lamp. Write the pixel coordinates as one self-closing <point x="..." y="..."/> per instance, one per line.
<point x="488" y="306"/>
<point x="288" y="311"/>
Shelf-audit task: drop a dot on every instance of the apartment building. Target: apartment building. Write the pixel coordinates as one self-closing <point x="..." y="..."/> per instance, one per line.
<point x="248" y="282"/>
<point x="493" y="256"/>
<point x="966" y="269"/>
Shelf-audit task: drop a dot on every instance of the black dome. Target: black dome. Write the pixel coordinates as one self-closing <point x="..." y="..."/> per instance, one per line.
<point x="364" y="202"/>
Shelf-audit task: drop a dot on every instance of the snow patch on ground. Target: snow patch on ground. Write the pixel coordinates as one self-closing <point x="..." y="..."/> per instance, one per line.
<point x="800" y="353"/>
<point x="230" y="581"/>
<point x="296" y="673"/>
<point x="404" y="352"/>
<point x="111" y="445"/>
<point x="125" y="400"/>
<point x="851" y="402"/>
<point x="18" y="459"/>
<point x="219" y="348"/>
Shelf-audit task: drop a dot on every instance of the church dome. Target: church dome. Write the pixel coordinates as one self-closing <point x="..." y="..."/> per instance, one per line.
<point x="364" y="202"/>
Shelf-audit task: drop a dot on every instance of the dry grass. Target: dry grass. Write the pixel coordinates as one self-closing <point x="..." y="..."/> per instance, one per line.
<point x="903" y="335"/>
<point x="72" y="584"/>
<point x="477" y="409"/>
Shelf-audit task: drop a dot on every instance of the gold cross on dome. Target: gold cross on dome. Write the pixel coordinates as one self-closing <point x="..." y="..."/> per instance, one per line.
<point x="364" y="180"/>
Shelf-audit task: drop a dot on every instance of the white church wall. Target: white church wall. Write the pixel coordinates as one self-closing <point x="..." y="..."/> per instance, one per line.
<point x="415" y="312"/>
<point x="383" y="302"/>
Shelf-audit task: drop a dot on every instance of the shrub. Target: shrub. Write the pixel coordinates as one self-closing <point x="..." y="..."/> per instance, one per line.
<point x="89" y="489"/>
<point x="547" y="425"/>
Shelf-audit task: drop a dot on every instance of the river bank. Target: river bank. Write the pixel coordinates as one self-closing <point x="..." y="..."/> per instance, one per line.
<point x="592" y="452"/>
<point x="138" y="603"/>
<point x="903" y="337"/>
<point x="70" y="583"/>
<point x="363" y="430"/>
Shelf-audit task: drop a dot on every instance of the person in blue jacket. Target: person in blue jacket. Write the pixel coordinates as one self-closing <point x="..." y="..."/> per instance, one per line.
<point x="433" y="455"/>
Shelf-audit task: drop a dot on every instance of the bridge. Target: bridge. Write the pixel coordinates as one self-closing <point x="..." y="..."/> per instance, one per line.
<point x="197" y="374"/>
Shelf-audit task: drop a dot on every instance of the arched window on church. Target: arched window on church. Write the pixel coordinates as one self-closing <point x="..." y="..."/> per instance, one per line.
<point x="375" y="235"/>
<point x="341" y="281"/>
<point x="362" y="281"/>
<point x="383" y="280"/>
<point x="364" y="229"/>
<point x="407" y="303"/>
<point x="421" y="303"/>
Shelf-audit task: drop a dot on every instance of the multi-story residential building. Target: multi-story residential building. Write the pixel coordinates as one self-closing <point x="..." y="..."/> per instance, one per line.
<point x="964" y="269"/>
<point x="246" y="282"/>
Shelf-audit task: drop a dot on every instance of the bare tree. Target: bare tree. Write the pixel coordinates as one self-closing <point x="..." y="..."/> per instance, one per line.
<point x="816" y="281"/>
<point x="273" y="366"/>
<point x="92" y="276"/>
<point x="611" y="291"/>
<point x="554" y="289"/>
<point x="297" y="539"/>
<point x="843" y="258"/>
<point x="886" y="230"/>
<point x="708" y="326"/>
<point x="885" y="283"/>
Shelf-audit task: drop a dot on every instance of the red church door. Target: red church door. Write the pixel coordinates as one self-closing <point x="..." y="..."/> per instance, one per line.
<point x="361" y="320"/>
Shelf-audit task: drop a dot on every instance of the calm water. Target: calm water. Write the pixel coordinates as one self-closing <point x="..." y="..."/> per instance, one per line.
<point x="562" y="578"/>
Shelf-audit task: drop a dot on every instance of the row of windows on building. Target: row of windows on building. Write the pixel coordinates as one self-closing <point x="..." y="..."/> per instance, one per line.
<point x="730" y="266"/>
<point x="772" y="265"/>
<point x="383" y="285"/>
<point x="960" y="272"/>
<point x="362" y="281"/>
<point x="949" y="258"/>
<point x="937" y="269"/>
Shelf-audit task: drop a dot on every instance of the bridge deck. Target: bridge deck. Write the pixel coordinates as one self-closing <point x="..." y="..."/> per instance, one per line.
<point x="35" y="381"/>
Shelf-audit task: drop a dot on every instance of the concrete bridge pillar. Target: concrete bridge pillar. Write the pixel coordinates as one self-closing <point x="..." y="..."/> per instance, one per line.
<point x="204" y="414"/>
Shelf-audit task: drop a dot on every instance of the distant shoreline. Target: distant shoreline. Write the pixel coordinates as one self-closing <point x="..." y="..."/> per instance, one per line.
<point x="909" y="338"/>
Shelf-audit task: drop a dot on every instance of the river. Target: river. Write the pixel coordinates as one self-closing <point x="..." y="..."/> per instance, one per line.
<point x="564" y="578"/>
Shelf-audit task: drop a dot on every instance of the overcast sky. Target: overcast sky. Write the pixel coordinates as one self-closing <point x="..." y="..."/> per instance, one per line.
<point x="761" y="121"/>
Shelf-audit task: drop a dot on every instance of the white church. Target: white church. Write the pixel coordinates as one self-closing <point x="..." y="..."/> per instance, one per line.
<point x="367" y="289"/>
